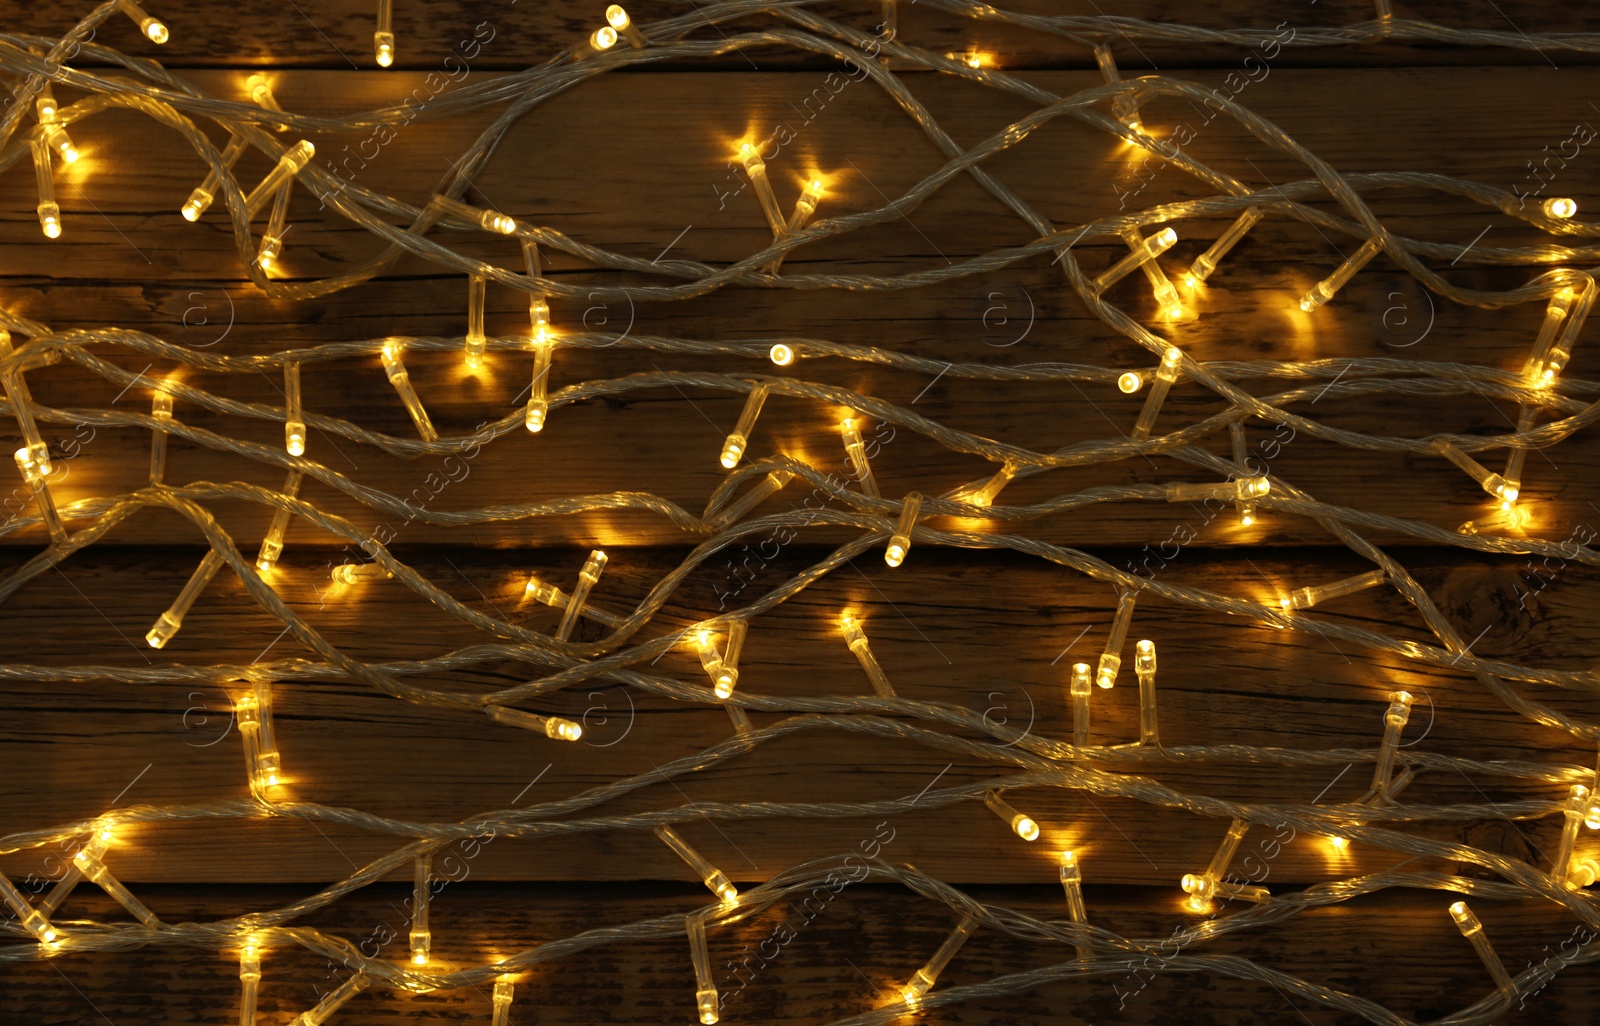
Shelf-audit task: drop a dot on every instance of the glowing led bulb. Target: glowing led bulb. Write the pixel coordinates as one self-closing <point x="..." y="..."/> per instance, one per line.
<point x="97" y="843"/>
<point x="1111" y="658"/>
<point x="1559" y="349"/>
<point x="89" y="863"/>
<point x="269" y="764"/>
<point x="924" y="979"/>
<point x="1122" y="107"/>
<point x="1394" y="721"/>
<point x="781" y="354"/>
<point x="764" y="489"/>
<point x="552" y="596"/>
<point x="705" y="986"/>
<point x="733" y="448"/>
<point x="152" y="29"/>
<point x="538" y="306"/>
<point x="618" y="19"/>
<point x="587" y="578"/>
<point x="260" y="89"/>
<point x="1472" y="929"/>
<point x="1324" y="290"/>
<point x="756" y="169"/>
<point x="1144" y="251"/>
<point x="1206" y="262"/>
<point x="332" y="1002"/>
<point x="36" y="452"/>
<point x="900" y="541"/>
<point x="1305" y="598"/>
<point x="49" y="209"/>
<point x="201" y="198"/>
<point x="711" y="876"/>
<point x="477" y="342"/>
<point x="726" y="677"/>
<point x="1491" y="482"/>
<point x="1081" y="683"/>
<point x="489" y="220"/>
<point x="383" y="35"/>
<point x="1560" y="207"/>
<point x="1147" y="250"/>
<point x="395" y="368"/>
<point x="603" y="39"/>
<point x="26" y="914"/>
<point x="539" y="391"/>
<point x="161" y="410"/>
<point x="44" y="104"/>
<point x="57" y="139"/>
<point x="1203" y="887"/>
<point x="359" y="573"/>
<point x="41" y="495"/>
<point x="1516" y="458"/>
<point x="1129" y="382"/>
<point x="504" y="986"/>
<point x="705" y="645"/>
<point x="856" y="449"/>
<point x="1240" y="488"/>
<point x="856" y="638"/>
<point x="247" y="716"/>
<point x="985" y="492"/>
<point x="421" y="892"/>
<point x="1023" y="826"/>
<point x="172" y="619"/>
<point x="1144" y="665"/>
<point x="272" y="239"/>
<point x="1573" y="812"/>
<point x="1166" y="374"/>
<point x="249" y="979"/>
<point x="272" y="542"/>
<point x="806" y="205"/>
<point x="290" y="164"/>
<point x="553" y="727"/>
<point x="1072" y="884"/>
<point x="294" y="424"/>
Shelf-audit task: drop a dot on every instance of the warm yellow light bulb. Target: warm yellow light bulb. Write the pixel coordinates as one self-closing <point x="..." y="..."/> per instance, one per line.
<point x="781" y="354"/>
<point x="604" y="38"/>
<point x="1560" y="207"/>
<point x="1130" y="382"/>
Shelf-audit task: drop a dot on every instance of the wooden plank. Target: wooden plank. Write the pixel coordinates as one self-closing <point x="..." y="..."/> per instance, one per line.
<point x="120" y="215"/>
<point x="794" y="964"/>
<point x="665" y="440"/>
<point x="662" y="441"/>
<point x="338" y="33"/>
<point x="937" y="625"/>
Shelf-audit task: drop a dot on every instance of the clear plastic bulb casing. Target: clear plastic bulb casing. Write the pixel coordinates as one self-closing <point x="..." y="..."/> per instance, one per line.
<point x="272" y="542"/>
<point x="618" y="19"/>
<point x="756" y="169"/>
<point x="1206" y="262"/>
<point x="855" y="448"/>
<point x="856" y="638"/>
<point x="553" y="727"/>
<point x="153" y="29"/>
<point x="294" y="424"/>
<point x="1472" y="929"/>
<point x="477" y="342"/>
<point x="205" y="193"/>
<point x="488" y="220"/>
<point x="714" y="879"/>
<point x="1144" y="251"/>
<point x="539" y="390"/>
<point x="1491" y="482"/>
<point x="705" y="986"/>
<point x="335" y="1000"/>
<point x="294" y="159"/>
<point x="504" y="989"/>
<point x="1111" y="658"/>
<point x="1305" y="598"/>
<point x="49" y="210"/>
<point x="161" y="410"/>
<point x="41" y="496"/>
<point x="924" y="979"/>
<point x="383" y="35"/>
<point x="900" y="541"/>
<point x="1166" y="374"/>
<point x="1022" y="825"/>
<point x="394" y="366"/>
<point x="1082" y="682"/>
<point x="1325" y="289"/>
<point x="421" y="892"/>
<point x="1144" y="665"/>
<point x="733" y="448"/>
<point x="169" y="622"/>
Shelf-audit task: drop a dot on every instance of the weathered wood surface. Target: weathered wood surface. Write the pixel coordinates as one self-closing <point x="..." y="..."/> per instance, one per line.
<point x="338" y="33"/>
<point x="936" y="624"/>
<point x="792" y="964"/>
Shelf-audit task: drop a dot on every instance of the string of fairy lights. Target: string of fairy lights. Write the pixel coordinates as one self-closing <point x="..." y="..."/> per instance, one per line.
<point x="1554" y="406"/>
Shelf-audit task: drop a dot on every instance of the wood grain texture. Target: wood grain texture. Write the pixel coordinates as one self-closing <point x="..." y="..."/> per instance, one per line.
<point x="938" y="625"/>
<point x="1398" y="948"/>
<point x="338" y="33"/>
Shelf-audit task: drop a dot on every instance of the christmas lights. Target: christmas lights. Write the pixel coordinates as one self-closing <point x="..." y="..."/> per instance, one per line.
<point x="421" y="894"/>
<point x="925" y="977"/>
<point x="1021" y="825"/>
<point x="477" y="287"/>
<point x="856" y="638"/>
<point x="588" y="577"/>
<point x="1564" y="318"/>
<point x="714" y="879"/>
<point x="1472" y="930"/>
<point x="900" y="541"/>
<point x="1111" y="659"/>
<point x="1324" y="290"/>
<point x="383" y="35"/>
<point x="153" y="30"/>
<point x="733" y="448"/>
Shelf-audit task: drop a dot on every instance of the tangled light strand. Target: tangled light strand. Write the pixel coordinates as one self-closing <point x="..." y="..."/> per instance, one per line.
<point x="625" y="657"/>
